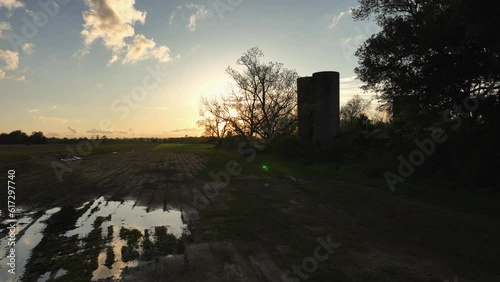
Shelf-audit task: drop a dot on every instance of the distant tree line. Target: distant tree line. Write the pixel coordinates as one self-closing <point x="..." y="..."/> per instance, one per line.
<point x="37" y="137"/>
<point x="19" y="137"/>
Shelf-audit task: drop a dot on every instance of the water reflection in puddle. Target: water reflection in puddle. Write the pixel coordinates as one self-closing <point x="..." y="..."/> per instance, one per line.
<point x="24" y="245"/>
<point x="123" y="219"/>
<point x="127" y="215"/>
<point x="137" y="235"/>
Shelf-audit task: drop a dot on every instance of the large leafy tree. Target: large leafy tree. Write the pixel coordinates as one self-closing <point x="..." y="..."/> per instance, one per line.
<point x="436" y="52"/>
<point x="353" y="114"/>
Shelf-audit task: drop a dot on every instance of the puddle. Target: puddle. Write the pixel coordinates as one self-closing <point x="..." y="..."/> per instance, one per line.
<point x="48" y="275"/>
<point x="129" y="236"/>
<point x="133" y="234"/>
<point x="60" y="273"/>
<point x="114" y="270"/>
<point x="44" y="277"/>
<point x="127" y="215"/>
<point x="24" y="245"/>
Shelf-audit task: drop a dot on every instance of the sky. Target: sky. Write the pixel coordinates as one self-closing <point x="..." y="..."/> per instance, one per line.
<point x="126" y="68"/>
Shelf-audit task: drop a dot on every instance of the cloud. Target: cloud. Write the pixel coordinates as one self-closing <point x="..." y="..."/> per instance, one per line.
<point x="196" y="13"/>
<point x="98" y="131"/>
<point x="4" y="26"/>
<point x="143" y="48"/>
<point x="11" y="4"/>
<point x="113" y="23"/>
<point x="52" y="134"/>
<point x="186" y="130"/>
<point x="336" y="19"/>
<point x="95" y="131"/>
<point x="171" y="20"/>
<point x="9" y="60"/>
<point x="113" y="59"/>
<point x="51" y="119"/>
<point x="28" y="48"/>
<point x="72" y="130"/>
<point x="32" y="110"/>
<point x="18" y="77"/>
<point x="356" y="39"/>
<point x="200" y="12"/>
<point x="348" y="79"/>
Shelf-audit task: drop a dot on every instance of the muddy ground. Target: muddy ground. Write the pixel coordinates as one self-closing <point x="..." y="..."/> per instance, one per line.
<point x="143" y="215"/>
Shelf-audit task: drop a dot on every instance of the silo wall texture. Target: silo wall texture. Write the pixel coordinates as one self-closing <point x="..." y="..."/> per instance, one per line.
<point x="305" y="110"/>
<point x="327" y="114"/>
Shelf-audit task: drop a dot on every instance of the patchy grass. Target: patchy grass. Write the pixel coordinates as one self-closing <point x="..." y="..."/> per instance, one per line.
<point x="321" y="176"/>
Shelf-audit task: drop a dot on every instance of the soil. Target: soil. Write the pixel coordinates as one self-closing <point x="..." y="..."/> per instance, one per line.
<point x="254" y="229"/>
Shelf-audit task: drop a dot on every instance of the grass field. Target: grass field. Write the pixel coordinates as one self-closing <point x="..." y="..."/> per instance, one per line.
<point x="357" y="173"/>
<point x="267" y="217"/>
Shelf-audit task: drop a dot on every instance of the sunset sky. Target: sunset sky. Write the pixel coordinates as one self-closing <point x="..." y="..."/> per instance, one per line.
<point x="126" y="68"/>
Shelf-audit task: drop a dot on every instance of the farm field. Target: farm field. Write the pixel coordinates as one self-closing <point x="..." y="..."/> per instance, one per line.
<point x="185" y="212"/>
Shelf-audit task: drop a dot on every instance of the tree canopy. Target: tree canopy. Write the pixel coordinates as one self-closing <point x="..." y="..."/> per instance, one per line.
<point x="19" y="137"/>
<point x="438" y="52"/>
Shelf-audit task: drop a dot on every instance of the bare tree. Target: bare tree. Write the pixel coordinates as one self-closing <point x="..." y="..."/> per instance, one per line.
<point x="263" y="99"/>
<point x="213" y="121"/>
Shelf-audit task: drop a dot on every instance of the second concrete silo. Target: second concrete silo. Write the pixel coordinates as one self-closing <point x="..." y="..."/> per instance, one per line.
<point x="305" y="107"/>
<point x="318" y="99"/>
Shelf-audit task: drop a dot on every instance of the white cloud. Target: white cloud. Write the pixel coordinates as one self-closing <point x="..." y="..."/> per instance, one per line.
<point x="113" y="59"/>
<point x="94" y="131"/>
<point x="9" y="60"/>
<point x="28" y="48"/>
<point x="11" y="4"/>
<point x="4" y="26"/>
<point x="51" y="119"/>
<point x="336" y="19"/>
<point x="348" y="79"/>
<point x="142" y="48"/>
<point x="18" y="77"/>
<point x="113" y="23"/>
<point x="194" y="129"/>
<point x="171" y="20"/>
<point x="196" y="13"/>
<point x="357" y="39"/>
<point x="200" y="12"/>
<point x="32" y="110"/>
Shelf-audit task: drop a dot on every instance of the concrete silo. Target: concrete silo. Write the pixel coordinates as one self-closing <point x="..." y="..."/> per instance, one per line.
<point x="318" y="99"/>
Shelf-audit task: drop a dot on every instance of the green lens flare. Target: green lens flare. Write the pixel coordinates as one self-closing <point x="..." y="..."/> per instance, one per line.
<point x="265" y="167"/>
